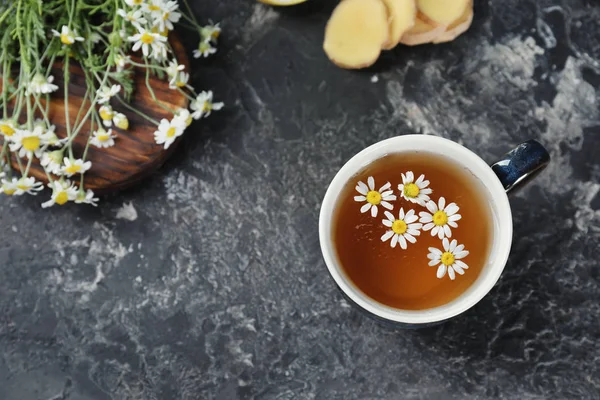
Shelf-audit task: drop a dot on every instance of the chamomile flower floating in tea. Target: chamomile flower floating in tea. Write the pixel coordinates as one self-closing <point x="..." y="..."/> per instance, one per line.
<point x="449" y="259"/>
<point x="373" y="197"/>
<point x="402" y="230"/>
<point x="440" y="218"/>
<point x="415" y="191"/>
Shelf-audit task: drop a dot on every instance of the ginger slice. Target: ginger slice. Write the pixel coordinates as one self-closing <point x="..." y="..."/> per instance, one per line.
<point x="402" y="15"/>
<point x="458" y="27"/>
<point x="356" y="32"/>
<point x="443" y="12"/>
<point x="424" y="31"/>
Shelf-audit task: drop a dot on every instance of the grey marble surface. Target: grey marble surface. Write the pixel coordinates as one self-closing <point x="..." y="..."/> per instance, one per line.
<point x="207" y="281"/>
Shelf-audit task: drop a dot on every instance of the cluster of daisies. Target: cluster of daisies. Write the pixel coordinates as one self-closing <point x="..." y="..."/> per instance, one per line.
<point x="103" y="50"/>
<point x="438" y="218"/>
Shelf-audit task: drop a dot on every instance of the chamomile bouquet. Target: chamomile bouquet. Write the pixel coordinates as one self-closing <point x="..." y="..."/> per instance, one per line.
<point x="108" y="39"/>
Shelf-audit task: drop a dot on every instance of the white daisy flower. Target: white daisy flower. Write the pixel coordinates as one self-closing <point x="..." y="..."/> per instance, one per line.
<point x="440" y="218"/>
<point x="48" y="133"/>
<point x="105" y="93"/>
<point x="121" y="121"/>
<point x="373" y="197"/>
<point x="40" y="84"/>
<point x="62" y="192"/>
<point x="179" y="80"/>
<point x="106" y="114"/>
<point x="67" y="36"/>
<point x="183" y="115"/>
<point x="9" y="187"/>
<point x="203" y="105"/>
<point x="8" y="128"/>
<point x="449" y="259"/>
<point x="204" y="49"/>
<point x="121" y="61"/>
<point x="415" y="192"/>
<point x="154" y="8"/>
<point x="402" y="229"/>
<point x="133" y="16"/>
<point x="133" y="3"/>
<point x="28" y="185"/>
<point x="210" y="32"/>
<point x="168" y="15"/>
<point x="28" y="143"/>
<point x="174" y="68"/>
<point x="148" y="40"/>
<point x="86" y="198"/>
<point x="168" y="131"/>
<point x="102" y="138"/>
<point x="77" y="166"/>
<point x="52" y="162"/>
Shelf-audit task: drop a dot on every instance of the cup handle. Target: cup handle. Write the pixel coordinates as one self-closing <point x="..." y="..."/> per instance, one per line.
<point x="521" y="164"/>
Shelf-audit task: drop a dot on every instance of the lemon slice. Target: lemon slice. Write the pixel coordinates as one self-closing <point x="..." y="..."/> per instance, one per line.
<point x="282" y="2"/>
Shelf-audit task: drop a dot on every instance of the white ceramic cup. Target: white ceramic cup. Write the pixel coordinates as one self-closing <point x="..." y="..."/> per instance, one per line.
<point x="523" y="162"/>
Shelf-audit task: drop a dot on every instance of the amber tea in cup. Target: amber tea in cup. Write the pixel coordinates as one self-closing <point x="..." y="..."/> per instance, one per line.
<point x="413" y="231"/>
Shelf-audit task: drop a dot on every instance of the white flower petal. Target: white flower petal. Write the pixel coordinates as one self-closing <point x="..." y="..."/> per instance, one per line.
<point x="387" y="235"/>
<point x="453" y="244"/>
<point x="441" y="203"/>
<point x="426" y="191"/>
<point x="394" y="241"/>
<point x="365" y="207"/>
<point x="389" y="197"/>
<point x="371" y="183"/>
<point x="461" y="264"/>
<point x="435" y="251"/>
<point x="458" y="269"/>
<point x="454" y="217"/>
<point x="409" y="219"/>
<point x="451" y="209"/>
<point x="425" y="217"/>
<point x="428" y="226"/>
<point x="410" y="238"/>
<point x="410" y="177"/>
<point x="446" y="244"/>
<point x="451" y="273"/>
<point x="389" y="216"/>
<point x="374" y="211"/>
<point x="434" y="262"/>
<point x="387" y="223"/>
<point x="432" y="207"/>
<point x="419" y="180"/>
<point x="459" y="248"/>
<point x="385" y="187"/>
<point x="447" y="231"/>
<point x="360" y="198"/>
<point x="412" y="231"/>
<point x="441" y="271"/>
<point x="434" y="231"/>
<point x="401" y="214"/>
<point x="452" y="224"/>
<point x="387" y="193"/>
<point x="402" y="241"/>
<point x="387" y="205"/>
<point x="362" y="188"/>
<point x="461" y="254"/>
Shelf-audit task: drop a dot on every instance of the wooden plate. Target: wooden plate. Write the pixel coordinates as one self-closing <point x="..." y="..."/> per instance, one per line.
<point x="135" y="155"/>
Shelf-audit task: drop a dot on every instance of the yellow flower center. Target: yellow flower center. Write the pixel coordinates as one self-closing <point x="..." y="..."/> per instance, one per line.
<point x="122" y="123"/>
<point x="440" y="218"/>
<point x="7" y="130"/>
<point x="73" y="169"/>
<point x="138" y="2"/>
<point x="31" y="143"/>
<point x="188" y="121"/>
<point x="207" y="106"/>
<point x="165" y="32"/>
<point x="65" y="38"/>
<point x="411" y="190"/>
<point x="374" y="197"/>
<point x="180" y="84"/>
<point x="166" y="16"/>
<point x="147" y="38"/>
<point x="23" y="186"/>
<point x="399" y="227"/>
<point x="9" y="192"/>
<point x="103" y="138"/>
<point x="61" y="198"/>
<point x="215" y="34"/>
<point x="106" y="114"/>
<point x="153" y="7"/>
<point x="447" y="258"/>
<point x="171" y="132"/>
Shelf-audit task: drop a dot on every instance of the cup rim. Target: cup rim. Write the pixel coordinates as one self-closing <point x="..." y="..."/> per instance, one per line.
<point x="501" y="242"/>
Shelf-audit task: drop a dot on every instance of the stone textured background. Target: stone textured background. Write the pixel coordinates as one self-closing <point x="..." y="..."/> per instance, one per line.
<point x="207" y="282"/>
